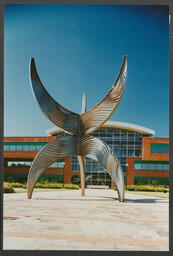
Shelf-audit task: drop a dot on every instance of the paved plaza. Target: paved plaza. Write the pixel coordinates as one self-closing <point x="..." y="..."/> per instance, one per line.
<point x="63" y="220"/>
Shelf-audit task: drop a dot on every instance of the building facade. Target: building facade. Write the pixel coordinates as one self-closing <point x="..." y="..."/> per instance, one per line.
<point x="124" y="139"/>
<point x="153" y="165"/>
<point x="140" y="155"/>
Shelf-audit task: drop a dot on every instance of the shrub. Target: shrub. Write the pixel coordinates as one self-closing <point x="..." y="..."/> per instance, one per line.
<point x="15" y="179"/>
<point x="160" y="188"/>
<point x="132" y="187"/>
<point x="45" y="180"/>
<point x="18" y="185"/>
<point x="8" y="188"/>
<point x="145" y="188"/>
<point x="71" y="186"/>
<point x="49" y="185"/>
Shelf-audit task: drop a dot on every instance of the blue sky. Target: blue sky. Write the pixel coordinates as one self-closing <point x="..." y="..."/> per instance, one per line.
<point x="79" y="48"/>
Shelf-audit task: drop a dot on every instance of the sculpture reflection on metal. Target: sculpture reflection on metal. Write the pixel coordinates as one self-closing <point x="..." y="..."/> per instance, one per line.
<point x="78" y="126"/>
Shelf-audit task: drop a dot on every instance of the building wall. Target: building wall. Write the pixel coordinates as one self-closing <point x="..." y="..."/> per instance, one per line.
<point x="24" y="171"/>
<point x="146" y="146"/>
<point x="29" y="139"/>
<point x="149" y="157"/>
<point x="123" y="144"/>
<point x="146" y="174"/>
<point x="22" y="156"/>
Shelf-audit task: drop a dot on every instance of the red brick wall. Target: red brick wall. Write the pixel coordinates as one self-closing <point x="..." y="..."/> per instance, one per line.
<point x="23" y="154"/>
<point x="67" y="171"/>
<point x="20" y="154"/>
<point x="21" y="170"/>
<point x="67" y="166"/>
<point x="130" y="169"/>
<point x="29" y="139"/>
<point x="144" y="173"/>
<point x="147" y="155"/>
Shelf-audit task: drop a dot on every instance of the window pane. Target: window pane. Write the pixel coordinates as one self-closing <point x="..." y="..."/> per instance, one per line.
<point x="19" y="148"/>
<point x="6" y="148"/>
<point x="12" y="148"/>
<point x="25" y="148"/>
<point x="32" y="148"/>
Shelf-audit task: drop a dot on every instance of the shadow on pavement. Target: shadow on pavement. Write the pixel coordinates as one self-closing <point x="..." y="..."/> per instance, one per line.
<point x="103" y="198"/>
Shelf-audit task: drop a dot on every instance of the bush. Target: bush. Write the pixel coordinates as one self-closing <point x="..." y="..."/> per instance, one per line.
<point x="18" y="185"/>
<point x="132" y="187"/>
<point x="71" y="186"/>
<point x="45" y="180"/>
<point x="15" y="179"/>
<point x="23" y="180"/>
<point x="8" y="188"/>
<point x="49" y="185"/>
<point x="159" y="188"/>
<point x="162" y="189"/>
<point x="146" y="188"/>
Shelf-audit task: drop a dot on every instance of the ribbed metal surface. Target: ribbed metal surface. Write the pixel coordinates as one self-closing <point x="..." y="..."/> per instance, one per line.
<point x="59" y="148"/>
<point x="76" y="145"/>
<point x="57" y="114"/>
<point x="71" y="122"/>
<point x="78" y="126"/>
<point x="94" y="118"/>
<point x="105" y="157"/>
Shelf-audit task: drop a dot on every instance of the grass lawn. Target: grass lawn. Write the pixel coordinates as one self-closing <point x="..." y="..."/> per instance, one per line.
<point x="155" y="194"/>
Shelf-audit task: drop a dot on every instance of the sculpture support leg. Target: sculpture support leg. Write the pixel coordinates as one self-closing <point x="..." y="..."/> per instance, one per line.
<point x="57" y="149"/>
<point x="105" y="156"/>
<point x="82" y="174"/>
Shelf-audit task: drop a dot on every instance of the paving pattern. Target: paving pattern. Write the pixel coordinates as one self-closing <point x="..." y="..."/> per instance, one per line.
<point x="63" y="220"/>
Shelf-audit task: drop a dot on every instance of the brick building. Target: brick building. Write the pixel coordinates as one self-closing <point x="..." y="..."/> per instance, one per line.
<point x="153" y="165"/>
<point x="132" y="144"/>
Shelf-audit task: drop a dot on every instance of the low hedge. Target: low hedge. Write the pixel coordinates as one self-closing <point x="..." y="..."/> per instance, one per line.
<point x="150" y="188"/>
<point x="46" y="185"/>
<point x="49" y="185"/>
<point x="8" y="188"/>
<point x="71" y="186"/>
<point x="18" y="185"/>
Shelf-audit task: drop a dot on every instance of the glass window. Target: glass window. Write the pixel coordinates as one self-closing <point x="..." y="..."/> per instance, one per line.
<point x="88" y="167"/>
<point x="19" y="148"/>
<point x="130" y="152"/>
<point x="39" y="147"/>
<point x="32" y="148"/>
<point x="137" y="152"/>
<point x="12" y="148"/>
<point x="54" y="165"/>
<point x="151" y="166"/>
<point x="117" y="152"/>
<point x="159" y="148"/>
<point x="25" y="147"/>
<point x="6" y="148"/>
<point x="74" y="167"/>
<point x="123" y="152"/>
<point x="137" y="166"/>
<point x="60" y="164"/>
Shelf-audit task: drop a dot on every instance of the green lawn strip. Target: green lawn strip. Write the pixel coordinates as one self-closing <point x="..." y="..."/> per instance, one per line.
<point x="154" y="194"/>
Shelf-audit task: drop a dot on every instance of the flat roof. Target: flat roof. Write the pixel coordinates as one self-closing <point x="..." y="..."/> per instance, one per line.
<point x="113" y="124"/>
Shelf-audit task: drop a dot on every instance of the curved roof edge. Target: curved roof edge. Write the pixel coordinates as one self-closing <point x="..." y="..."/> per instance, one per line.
<point x="113" y="124"/>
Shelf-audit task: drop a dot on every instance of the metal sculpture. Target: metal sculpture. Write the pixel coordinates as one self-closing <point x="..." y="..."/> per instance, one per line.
<point x="78" y="126"/>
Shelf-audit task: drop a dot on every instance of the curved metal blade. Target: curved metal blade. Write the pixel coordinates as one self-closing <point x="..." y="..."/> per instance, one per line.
<point x="57" y="114"/>
<point x="98" y="115"/>
<point x="105" y="156"/>
<point x="59" y="148"/>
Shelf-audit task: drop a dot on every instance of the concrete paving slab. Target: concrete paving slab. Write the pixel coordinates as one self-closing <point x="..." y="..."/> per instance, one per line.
<point x="63" y="220"/>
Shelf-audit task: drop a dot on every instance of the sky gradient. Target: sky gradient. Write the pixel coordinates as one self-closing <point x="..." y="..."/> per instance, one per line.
<point x="79" y="48"/>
